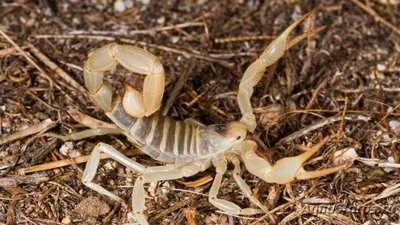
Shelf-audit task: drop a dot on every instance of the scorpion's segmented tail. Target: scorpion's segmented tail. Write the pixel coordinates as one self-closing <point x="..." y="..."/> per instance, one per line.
<point x="136" y="103"/>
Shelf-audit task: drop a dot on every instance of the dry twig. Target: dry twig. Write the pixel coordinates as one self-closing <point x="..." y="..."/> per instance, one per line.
<point x="64" y="75"/>
<point x="88" y="120"/>
<point x="324" y="122"/>
<point x="6" y="182"/>
<point x="177" y="88"/>
<point x="72" y="161"/>
<point x="29" y="59"/>
<point x="376" y="16"/>
<point x="41" y="127"/>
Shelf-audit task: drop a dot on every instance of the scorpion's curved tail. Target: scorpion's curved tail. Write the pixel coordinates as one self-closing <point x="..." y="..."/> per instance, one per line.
<point x="137" y="104"/>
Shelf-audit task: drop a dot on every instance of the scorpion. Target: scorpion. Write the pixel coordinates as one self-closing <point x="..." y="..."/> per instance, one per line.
<point x="186" y="147"/>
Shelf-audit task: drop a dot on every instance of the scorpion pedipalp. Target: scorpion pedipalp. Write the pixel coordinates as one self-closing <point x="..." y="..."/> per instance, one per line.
<point x="253" y="74"/>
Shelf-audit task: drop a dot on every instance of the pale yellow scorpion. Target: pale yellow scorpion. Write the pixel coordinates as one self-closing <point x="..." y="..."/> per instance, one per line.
<point x="186" y="147"/>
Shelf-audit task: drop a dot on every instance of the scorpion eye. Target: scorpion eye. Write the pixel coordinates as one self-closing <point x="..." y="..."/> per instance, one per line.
<point x="238" y="137"/>
<point x="220" y="128"/>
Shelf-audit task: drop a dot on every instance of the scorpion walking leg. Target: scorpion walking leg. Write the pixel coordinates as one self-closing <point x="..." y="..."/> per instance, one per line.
<point x="93" y="163"/>
<point x="153" y="174"/>
<point x="86" y="133"/>
<point x="242" y="184"/>
<point x="224" y="205"/>
<point x="254" y="72"/>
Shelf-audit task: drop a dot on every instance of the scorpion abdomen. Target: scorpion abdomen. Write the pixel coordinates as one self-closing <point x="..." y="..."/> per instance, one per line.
<point x="160" y="137"/>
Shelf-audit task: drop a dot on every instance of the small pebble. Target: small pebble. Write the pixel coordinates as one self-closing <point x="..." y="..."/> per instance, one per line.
<point x="390" y="159"/>
<point x="145" y="2"/>
<point x="119" y="6"/>
<point x="381" y="67"/>
<point x="66" y="220"/>
<point x="128" y="3"/>
<point x="66" y="148"/>
<point x="394" y="124"/>
<point x="345" y="155"/>
<point x="161" y="20"/>
<point x="74" y="153"/>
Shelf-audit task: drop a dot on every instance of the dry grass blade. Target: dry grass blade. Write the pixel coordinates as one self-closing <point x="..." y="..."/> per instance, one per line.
<point x="389" y="191"/>
<point x="64" y="75"/>
<point x="196" y="183"/>
<point x="184" y="53"/>
<point x="151" y="31"/>
<point x="173" y="208"/>
<point x="6" y="182"/>
<point x="190" y="215"/>
<point x="41" y="127"/>
<point x="323" y="122"/>
<point x="29" y="59"/>
<point x="376" y="16"/>
<point x="88" y="120"/>
<point x="177" y="88"/>
<point x="72" y="161"/>
<point x="243" y="38"/>
<point x="7" y="51"/>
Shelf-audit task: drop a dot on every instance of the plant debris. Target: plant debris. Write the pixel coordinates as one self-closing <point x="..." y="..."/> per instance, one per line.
<point x="342" y="82"/>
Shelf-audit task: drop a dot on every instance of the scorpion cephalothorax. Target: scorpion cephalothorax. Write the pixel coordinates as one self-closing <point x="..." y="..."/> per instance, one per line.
<point x="187" y="147"/>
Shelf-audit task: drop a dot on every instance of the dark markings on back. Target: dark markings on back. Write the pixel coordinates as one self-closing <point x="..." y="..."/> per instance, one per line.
<point x="142" y="129"/>
<point x="169" y="147"/>
<point x="121" y="118"/>
<point x="181" y="137"/>
<point x="158" y="133"/>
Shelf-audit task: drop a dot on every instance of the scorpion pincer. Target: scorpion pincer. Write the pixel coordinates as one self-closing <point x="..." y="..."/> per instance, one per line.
<point x="186" y="147"/>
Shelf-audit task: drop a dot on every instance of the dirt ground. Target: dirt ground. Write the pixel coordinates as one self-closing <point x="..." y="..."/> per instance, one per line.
<point x="343" y="82"/>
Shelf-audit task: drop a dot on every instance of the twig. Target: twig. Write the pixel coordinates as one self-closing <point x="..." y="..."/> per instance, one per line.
<point x="29" y="59"/>
<point x="41" y="127"/>
<point x="376" y="16"/>
<point x="6" y="182"/>
<point x="378" y="123"/>
<point x="190" y="215"/>
<point x="186" y="54"/>
<point x="11" y="212"/>
<point x="47" y="221"/>
<point x="72" y="161"/>
<point x="340" y="130"/>
<point x="110" y="216"/>
<point x="135" y="32"/>
<point x="378" y="163"/>
<point x="28" y="219"/>
<point x="64" y="75"/>
<point x="389" y="191"/>
<point x="42" y="101"/>
<point x="88" y="120"/>
<point x="167" y="211"/>
<point x="177" y="88"/>
<point x="364" y="89"/>
<point x="324" y="122"/>
<point x="314" y="96"/>
<point x="243" y="38"/>
<point x="8" y="51"/>
<point x="196" y="183"/>
<point x="263" y="110"/>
